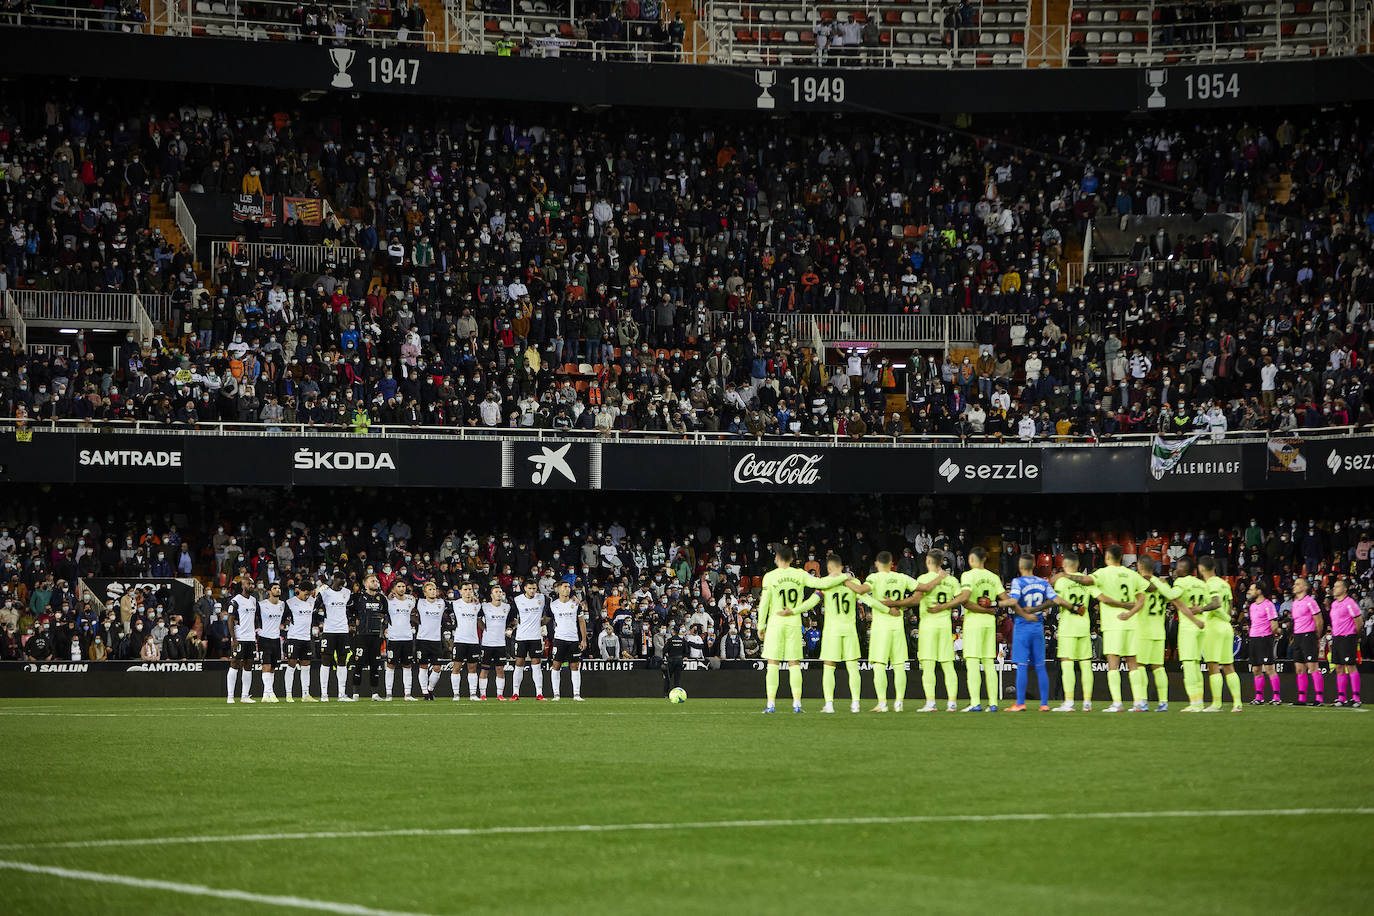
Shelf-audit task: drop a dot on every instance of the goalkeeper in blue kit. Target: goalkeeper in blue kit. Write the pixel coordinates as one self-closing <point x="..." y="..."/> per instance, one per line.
<point x="1030" y="596"/>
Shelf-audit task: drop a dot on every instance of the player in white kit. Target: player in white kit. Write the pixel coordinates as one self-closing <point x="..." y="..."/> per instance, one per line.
<point x="466" y="643"/>
<point x="300" y="643"/>
<point x="429" y="638"/>
<point x="334" y="641"/>
<point x="569" y="638"/>
<point x="529" y="639"/>
<point x="271" y="613"/>
<point x="243" y="630"/>
<point x="400" y="638"/>
<point x="495" y="615"/>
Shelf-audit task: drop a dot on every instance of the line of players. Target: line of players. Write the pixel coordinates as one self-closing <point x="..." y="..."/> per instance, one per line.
<point x="1132" y="607"/>
<point x="355" y="626"/>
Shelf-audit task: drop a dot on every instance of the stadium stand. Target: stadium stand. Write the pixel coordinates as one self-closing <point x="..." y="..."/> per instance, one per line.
<point x="901" y="33"/>
<point x="1182" y="32"/>
<point x="896" y="35"/>
<point x="693" y="277"/>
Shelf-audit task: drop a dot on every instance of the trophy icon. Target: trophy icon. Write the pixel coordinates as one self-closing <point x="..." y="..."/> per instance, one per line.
<point x="1156" y="80"/>
<point x="765" y="80"/>
<point x="343" y="59"/>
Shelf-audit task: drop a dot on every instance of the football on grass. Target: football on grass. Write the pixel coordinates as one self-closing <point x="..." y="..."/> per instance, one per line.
<point x="677" y="695"/>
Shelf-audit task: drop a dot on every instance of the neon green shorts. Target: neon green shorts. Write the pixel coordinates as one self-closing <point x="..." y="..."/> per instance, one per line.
<point x="1119" y="642"/>
<point x="935" y="644"/>
<point x="1149" y="651"/>
<point x="782" y="641"/>
<point x="1075" y="648"/>
<point x="838" y="645"/>
<point x="1189" y="640"/>
<point x="887" y="646"/>
<point x="1218" y="646"/>
<point x="980" y="642"/>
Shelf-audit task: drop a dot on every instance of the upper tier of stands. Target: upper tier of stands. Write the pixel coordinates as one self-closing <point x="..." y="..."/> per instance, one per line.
<point x="898" y="33"/>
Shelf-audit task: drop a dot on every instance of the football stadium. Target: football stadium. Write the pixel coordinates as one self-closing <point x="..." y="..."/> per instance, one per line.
<point x="687" y="456"/>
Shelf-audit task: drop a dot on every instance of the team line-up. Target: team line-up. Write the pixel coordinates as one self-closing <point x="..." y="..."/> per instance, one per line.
<point x="1131" y="603"/>
<point x="433" y="632"/>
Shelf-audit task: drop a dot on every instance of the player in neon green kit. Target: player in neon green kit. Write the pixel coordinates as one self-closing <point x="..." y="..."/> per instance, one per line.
<point x="780" y="624"/>
<point x="1120" y="595"/>
<point x="1192" y="626"/>
<point x="937" y="594"/>
<point x="887" y="632"/>
<point x="1074" y="634"/>
<point x="980" y="629"/>
<point x="840" y="636"/>
<point x="1218" y="649"/>
<point x="1149" y="636"/>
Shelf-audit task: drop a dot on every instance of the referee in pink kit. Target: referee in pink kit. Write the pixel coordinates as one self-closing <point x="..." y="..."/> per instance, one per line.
<point x="1307" y="630"/>
<point x="1264" y="631"/>
<point x="1345" y="624"/>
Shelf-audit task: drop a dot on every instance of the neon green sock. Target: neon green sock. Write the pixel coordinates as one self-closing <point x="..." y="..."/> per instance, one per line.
<point x="1215" y="681"/>
<point x="1114" y="684"/>
<point x="828" y="684"/>
<point x="951" y="680"/>
<point x="975" y="681"/>
<point x="856" y="687"/>
<point x="794" y="681"/>
<point x="880" y="682"/>
<point x="928" y="682"/>
<point x="899" y="682"/>
<point x="1139" y="684"/>
<point x="1192" y="682"/>
<point x="1233" y="685"/>
<point x="1085" y="674"/>
<point x="1067" y="673"/>
<point x="770" y="681"/>
<point x="1161" y="685"/>
<point x="990" y="673"/>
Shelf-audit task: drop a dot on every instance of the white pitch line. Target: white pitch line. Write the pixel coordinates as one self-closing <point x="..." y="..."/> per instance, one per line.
<point x="199" y="890"/>
<point x="689" y="825"/>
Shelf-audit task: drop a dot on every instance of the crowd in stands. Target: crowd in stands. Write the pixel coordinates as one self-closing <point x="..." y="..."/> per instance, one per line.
<point x="641" y="570"/>
<point x="650" y="250"/>
<point x="114" y="16"/>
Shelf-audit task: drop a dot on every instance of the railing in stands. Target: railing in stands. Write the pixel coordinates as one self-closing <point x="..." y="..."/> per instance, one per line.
<point x="1157" y="267"/>
<point x="263" y="429"/>
<point x="305" y="257"/>
<point x="219" y="20"/>
<point x="42" y="15"/>
<point x="1146" y="32"/>
<point x="16" y="320"/>
<point x="484" y="30"/>
<point x="846" y="329"/>
<point x="57" y="308"/>
<point x="186" y="224"/>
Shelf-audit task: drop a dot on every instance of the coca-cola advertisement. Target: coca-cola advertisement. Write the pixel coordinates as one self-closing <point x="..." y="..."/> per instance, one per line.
<point x="764" y="468"/>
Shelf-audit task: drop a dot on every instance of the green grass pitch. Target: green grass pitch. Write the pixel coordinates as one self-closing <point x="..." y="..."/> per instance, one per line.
<point x="86" y="771"/>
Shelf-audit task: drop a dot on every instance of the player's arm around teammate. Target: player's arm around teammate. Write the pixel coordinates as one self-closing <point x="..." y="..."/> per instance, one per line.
<point x="1074" y="634"/>
<point x="1218" y="647"/>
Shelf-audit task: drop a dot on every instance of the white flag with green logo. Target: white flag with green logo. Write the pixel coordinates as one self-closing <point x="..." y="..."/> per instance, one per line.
<point x="1165" y="454"/>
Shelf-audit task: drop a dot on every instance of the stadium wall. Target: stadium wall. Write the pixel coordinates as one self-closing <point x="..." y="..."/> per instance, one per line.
<point x="740" y="680"/>
<point x="182" y="457"/>
<point x="303" y="66"/>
